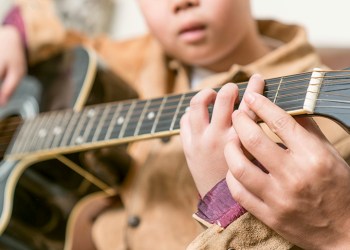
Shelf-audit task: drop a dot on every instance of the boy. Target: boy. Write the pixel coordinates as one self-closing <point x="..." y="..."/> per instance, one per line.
<point x="193" y="44"/>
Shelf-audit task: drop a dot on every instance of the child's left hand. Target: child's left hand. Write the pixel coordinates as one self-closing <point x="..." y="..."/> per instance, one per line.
<point x="203" y="140"/>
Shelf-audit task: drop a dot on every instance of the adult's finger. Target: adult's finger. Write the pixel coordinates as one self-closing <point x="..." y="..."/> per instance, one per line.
<point x="256" y="84"/>
<point x="257" y="143"/>
<point x="252" y="178"/>
<point x="281" y="123"/>
<point x="245" y="198"/>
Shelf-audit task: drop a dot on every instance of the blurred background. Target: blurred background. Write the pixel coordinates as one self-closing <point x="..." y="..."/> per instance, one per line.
<point x="325" y="21"/>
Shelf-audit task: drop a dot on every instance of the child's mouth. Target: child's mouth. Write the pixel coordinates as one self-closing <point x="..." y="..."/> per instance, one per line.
<point x="193" y="33"/>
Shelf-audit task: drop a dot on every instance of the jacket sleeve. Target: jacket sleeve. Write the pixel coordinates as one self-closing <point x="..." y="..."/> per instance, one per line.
<point x="246" y="232"/>
<point x="44" y="32"/>
<point x="230" y="226"/>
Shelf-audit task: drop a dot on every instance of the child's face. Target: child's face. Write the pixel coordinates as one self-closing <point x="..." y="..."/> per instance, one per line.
<point x="198" y="32"/>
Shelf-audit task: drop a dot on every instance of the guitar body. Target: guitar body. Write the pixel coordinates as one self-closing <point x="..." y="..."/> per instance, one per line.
<point x="38" y="193"/>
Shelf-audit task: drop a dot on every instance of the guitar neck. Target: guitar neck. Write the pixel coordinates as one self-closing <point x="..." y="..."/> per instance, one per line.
<point x="121" y="122"/>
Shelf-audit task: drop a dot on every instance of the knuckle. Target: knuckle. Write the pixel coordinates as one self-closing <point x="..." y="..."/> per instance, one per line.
<point x="320" y="165"/>
<point x="254" y="140"/>
<point x="238" y="170"/>
<point x="298" y="186"/>
<point x="285" y="207"/>
<point x="281" y="124"/>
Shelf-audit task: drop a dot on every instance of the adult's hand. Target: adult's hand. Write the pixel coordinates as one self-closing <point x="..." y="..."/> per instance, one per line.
<point x="305" y="194"/>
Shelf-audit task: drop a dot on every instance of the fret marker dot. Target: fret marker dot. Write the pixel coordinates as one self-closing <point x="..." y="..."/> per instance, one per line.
<point x="120" y="120"/>
<point x="57" y="130"/>
<point x="91" y="113"/>
<point x="79" y="140"/>
<point x="187" y="109"/>
<point x="42" y="133"/>
<point x="150" y="115"/>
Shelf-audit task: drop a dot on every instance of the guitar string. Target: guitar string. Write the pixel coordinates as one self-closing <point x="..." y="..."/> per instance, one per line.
<point x="245" y="83"/>
<point x="298" y="80"/>
<point x="138" y="111"/>
<point x="266" y="92"/>
<point x="281" y="96"/>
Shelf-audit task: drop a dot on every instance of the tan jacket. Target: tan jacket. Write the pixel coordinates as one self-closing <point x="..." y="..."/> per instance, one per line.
<point x="160" y="190"/>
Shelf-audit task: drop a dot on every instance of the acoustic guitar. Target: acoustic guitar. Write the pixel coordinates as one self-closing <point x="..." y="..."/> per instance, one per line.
<point x="55" y="134"/>
<point x="38" y="193"/>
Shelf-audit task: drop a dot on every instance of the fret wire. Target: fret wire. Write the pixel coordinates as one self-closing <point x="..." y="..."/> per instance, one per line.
<point x="133" y="116"/>
<point x="58" y="129"/>
<point x="126" y="121"/>
<point x="287" y="103"/>
<point x="106" y="124"/>
<point x="18" y="146"/>
<point x="37" y="137"/>
<point x="148" y="121"/>
<point x="139" y="123"/>
<point x="184" y="105"/>
<point x="171" y="107"/>
<point x="182" y="98"/>
<point x="158" y="115"/>
<point x="120" y="120"/>
<point x="51" y="122"/>
<point x="58" y="119"/>
<point x="78" y="127"/>
<point x="279" y="85"/>
<point x="98" y="113"/>
<point x="92" y="114"/>
<point x="113" y="121"/>
<point x="47" y="128"/>
<point x="100" y="124"/>
<point x="164" y="113"/>
<point x="267" y="91"/>
<point x="74" y="117"/>
<point x="30" y="135"/>
<point x="168" y="112"/>
<point x="176" y="112"/>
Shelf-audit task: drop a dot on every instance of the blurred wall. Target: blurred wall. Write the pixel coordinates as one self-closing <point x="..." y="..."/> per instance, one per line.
<point x="4" y="6"/>
<point x="326" y="21"/>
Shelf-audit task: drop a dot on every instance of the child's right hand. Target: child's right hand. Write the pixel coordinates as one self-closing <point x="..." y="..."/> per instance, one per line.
<point x="13" y="64"/>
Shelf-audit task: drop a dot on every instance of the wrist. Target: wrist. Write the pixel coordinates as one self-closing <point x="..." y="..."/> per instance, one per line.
<point x="218" y="206"/>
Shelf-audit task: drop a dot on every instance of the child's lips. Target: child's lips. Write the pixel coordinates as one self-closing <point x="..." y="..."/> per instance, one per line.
<point x="192" y="33"/>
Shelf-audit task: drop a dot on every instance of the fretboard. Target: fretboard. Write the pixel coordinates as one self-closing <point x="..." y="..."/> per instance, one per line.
<point x="121" y="122"/>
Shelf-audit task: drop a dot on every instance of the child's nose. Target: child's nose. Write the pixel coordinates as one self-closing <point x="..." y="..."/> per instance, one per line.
<point x="179" y="5"/>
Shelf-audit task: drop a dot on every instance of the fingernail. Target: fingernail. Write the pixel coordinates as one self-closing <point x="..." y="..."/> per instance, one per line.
<point x="249" y="97"/>
<point x="256" y="76"/>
